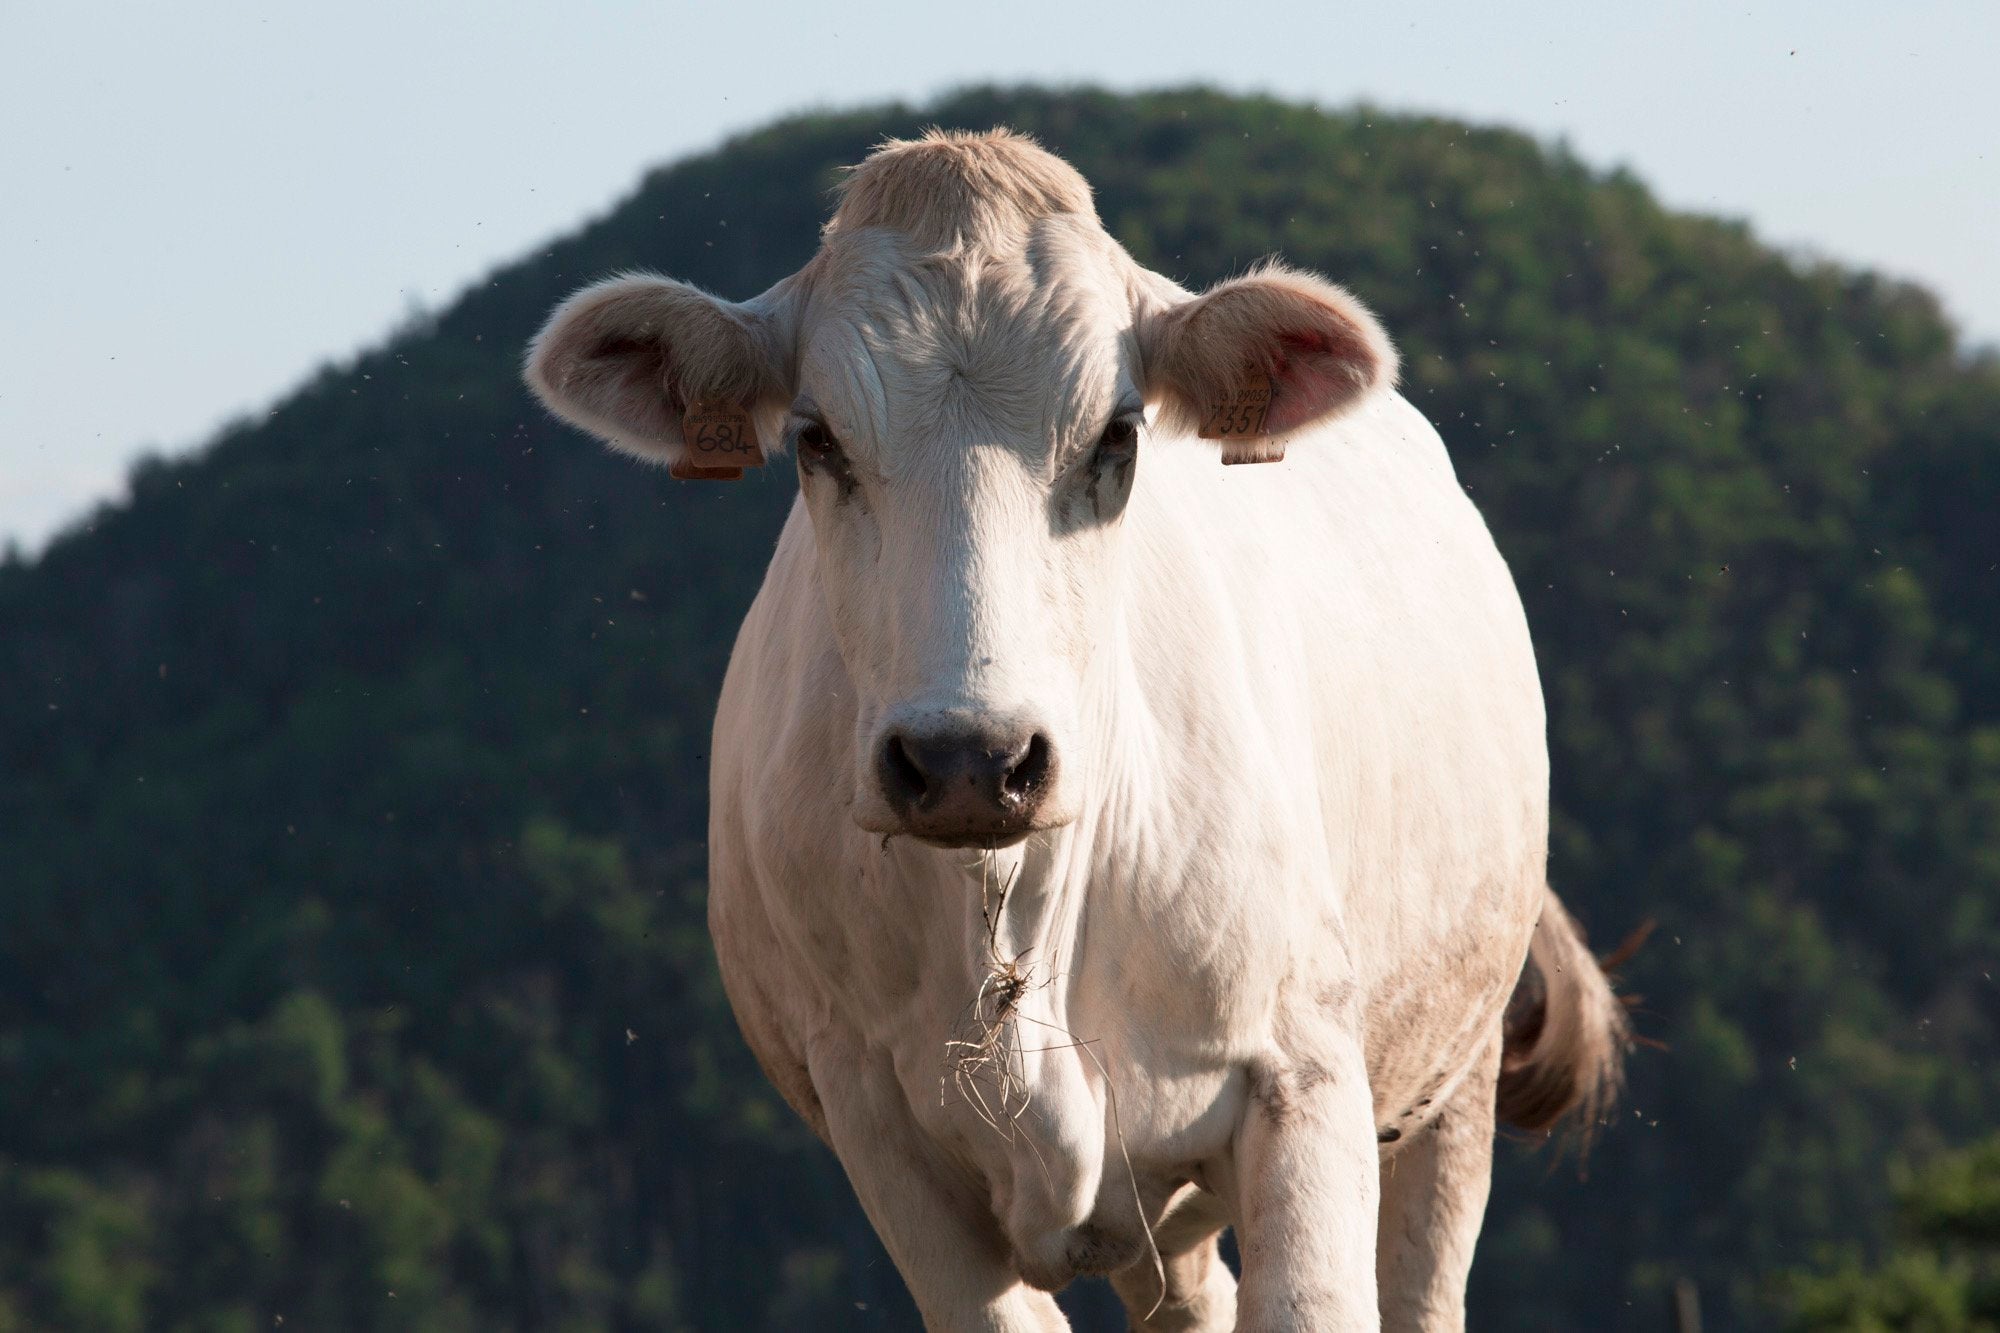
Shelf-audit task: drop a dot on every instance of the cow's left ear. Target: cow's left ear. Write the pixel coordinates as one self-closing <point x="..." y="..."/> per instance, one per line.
<point x="1256" y="358"/>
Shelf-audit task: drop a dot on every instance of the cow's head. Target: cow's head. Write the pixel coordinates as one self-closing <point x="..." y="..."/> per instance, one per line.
<point x="966" y="375"/>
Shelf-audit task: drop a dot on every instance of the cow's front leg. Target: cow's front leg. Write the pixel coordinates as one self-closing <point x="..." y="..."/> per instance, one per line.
<point x="1307" y="1181"/>
<point x="1433" y="1198"/>
<point x="937" y="1227"/>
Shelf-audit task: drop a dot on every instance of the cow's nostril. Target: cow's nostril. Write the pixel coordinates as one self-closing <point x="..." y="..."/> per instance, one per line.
<point x="903" y="775"/>
<point x="1028" y="775"/>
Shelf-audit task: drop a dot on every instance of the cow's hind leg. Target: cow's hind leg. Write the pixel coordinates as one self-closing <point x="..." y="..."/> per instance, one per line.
<point x="1201" y="1292"/>
<point x="1433" y="1198"/>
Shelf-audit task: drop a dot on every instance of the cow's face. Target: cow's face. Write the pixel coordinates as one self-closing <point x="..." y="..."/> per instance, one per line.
<point x="967" y="432"/>
<point x="969" y="422"/>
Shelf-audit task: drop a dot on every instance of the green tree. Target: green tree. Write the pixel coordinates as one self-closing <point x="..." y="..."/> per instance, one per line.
<point x="1942" y="1276"/>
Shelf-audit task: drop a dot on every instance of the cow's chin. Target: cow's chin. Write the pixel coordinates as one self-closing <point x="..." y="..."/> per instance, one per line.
<point x="985" y="842"/>
<point x="988" y="838"/>
<point x="958" y="835"/>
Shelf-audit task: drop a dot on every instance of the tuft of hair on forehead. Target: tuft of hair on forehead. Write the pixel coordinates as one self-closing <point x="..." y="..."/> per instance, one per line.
<point x="947" y="186"/>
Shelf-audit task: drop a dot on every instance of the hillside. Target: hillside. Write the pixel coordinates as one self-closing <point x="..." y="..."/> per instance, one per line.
<point x="352" y="966"/>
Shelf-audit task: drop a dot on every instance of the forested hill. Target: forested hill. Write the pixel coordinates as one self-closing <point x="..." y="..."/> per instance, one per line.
<point x="352" y="964"/>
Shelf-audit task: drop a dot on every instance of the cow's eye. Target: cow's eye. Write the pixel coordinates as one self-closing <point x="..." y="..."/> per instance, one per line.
<point x="816" y="445"/>
<point x="1119" y="441"/>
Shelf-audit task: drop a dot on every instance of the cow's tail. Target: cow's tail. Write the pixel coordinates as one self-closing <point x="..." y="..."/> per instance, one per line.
<point x="1566" y="1034"/>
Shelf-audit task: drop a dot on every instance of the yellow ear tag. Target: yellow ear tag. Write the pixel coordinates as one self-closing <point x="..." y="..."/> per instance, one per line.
<point x="721" y="441"/>
<point x="1237" y="419"/>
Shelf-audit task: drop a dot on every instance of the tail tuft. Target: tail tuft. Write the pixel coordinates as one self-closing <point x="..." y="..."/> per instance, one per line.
<point x="1565" y="1033"/>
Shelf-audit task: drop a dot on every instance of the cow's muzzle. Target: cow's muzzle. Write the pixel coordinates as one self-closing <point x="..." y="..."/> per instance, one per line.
<point x="966" y="788"/>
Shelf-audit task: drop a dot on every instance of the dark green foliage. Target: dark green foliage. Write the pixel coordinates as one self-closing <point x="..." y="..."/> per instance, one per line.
<point x="352" y="775"/>
<point x="1944" y="1275"/>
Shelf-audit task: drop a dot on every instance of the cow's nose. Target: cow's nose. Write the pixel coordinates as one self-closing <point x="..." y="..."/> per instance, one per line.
<point x="964" y="787"/>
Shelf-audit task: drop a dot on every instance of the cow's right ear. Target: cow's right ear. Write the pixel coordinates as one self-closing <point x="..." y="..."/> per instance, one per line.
<point x="625" y="359"/>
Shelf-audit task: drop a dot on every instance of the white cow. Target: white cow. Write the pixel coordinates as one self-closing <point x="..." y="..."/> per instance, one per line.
<point x="1108" y="847"/>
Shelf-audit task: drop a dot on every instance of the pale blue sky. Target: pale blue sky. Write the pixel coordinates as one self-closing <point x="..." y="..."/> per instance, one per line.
<point x="204" y="201"/>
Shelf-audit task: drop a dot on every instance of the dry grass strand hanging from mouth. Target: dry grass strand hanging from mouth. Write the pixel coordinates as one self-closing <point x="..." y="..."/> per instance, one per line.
<point x="986" y="1053"/>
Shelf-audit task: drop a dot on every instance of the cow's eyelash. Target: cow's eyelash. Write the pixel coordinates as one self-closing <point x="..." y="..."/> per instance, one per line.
<point x="1121" y="431"/>
<point x="812" y="433"/>
<point x="1128" y="423"/>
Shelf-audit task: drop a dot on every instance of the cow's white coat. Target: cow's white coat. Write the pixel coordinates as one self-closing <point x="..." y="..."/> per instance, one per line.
<point x="1283" y="886"/>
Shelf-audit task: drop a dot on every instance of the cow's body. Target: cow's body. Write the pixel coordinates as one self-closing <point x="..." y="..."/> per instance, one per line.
<point x="1255" y="971"/>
